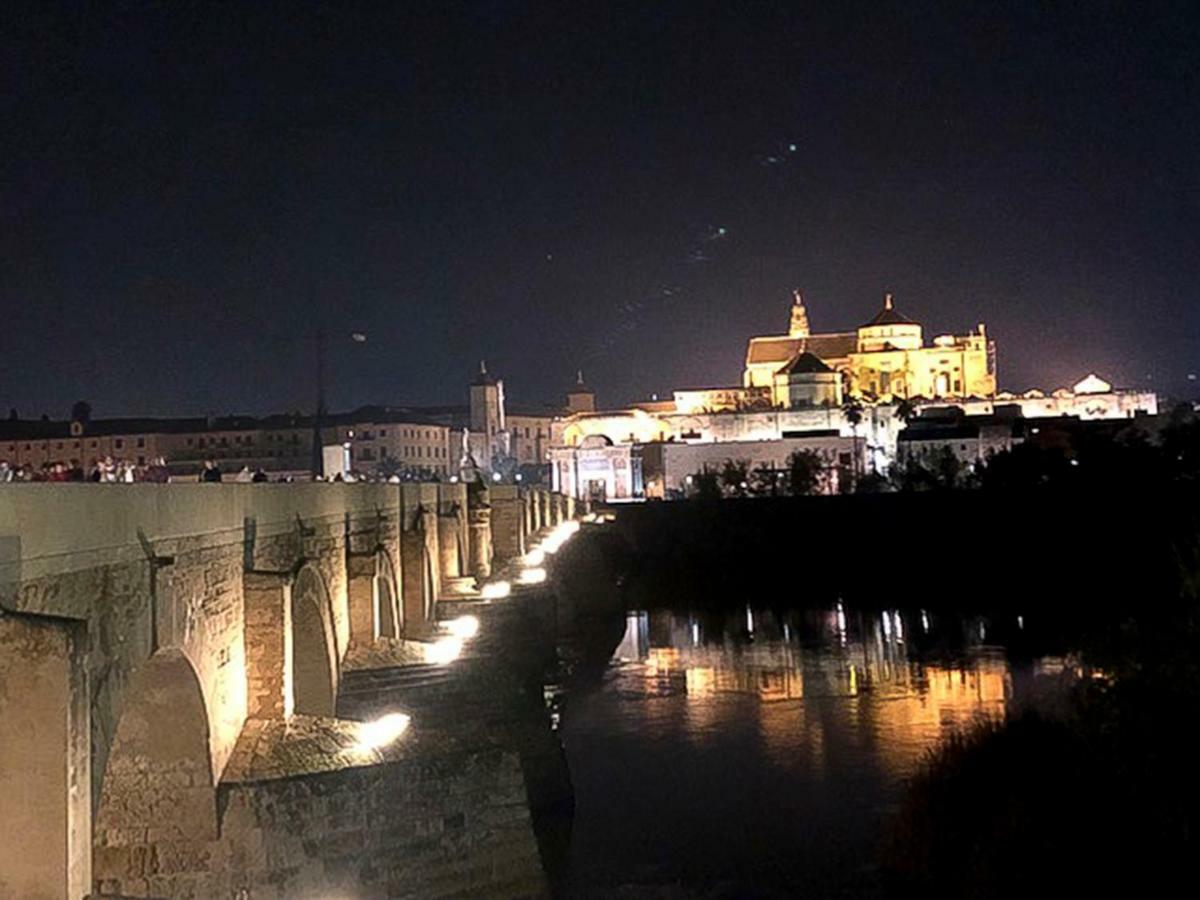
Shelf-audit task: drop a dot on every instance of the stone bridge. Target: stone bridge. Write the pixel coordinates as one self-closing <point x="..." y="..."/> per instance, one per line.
<point x="177" y="699"/>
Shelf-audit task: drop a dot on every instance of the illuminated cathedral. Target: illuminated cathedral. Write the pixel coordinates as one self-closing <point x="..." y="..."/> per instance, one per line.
<point x="884" y="360"/>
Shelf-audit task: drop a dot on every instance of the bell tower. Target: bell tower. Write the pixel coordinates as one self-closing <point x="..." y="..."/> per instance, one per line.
<point x="581" y="398"/>
<point x="799" y="324"/>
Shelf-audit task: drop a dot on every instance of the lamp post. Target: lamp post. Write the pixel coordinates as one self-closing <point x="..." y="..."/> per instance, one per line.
<point x="318" y="458"/>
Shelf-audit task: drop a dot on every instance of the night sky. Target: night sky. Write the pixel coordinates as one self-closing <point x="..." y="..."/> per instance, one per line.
<point x="189" y="190"/>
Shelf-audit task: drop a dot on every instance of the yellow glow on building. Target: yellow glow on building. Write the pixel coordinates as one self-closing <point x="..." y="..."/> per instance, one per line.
<point x="885" y="359"/>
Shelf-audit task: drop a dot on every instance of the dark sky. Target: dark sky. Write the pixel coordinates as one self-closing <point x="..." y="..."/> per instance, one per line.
<point x="187" y="190"/>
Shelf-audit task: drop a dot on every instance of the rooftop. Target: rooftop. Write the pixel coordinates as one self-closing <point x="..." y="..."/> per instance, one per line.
<point x="889" y="315"/>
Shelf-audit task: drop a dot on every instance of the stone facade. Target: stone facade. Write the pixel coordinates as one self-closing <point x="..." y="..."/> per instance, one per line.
<point x="144" y="626"/>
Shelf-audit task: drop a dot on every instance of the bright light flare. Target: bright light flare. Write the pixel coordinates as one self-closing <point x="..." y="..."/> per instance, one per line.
<point x="496" y="590"/>
<point x="559" y="536"/>
<point x="535" y="575"/>
<point x="444" y="650"/>
<point x="534" y="557"/>
<point x="382" y="731"/>
<point x="465" y="627"/>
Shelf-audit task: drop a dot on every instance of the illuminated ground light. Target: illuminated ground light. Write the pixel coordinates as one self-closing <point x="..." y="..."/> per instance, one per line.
<point x="559" y="536"/>
<point x="443" y="650"/>
<point x="535" y="575"/>
<point x="382" y="731"/>
<point x="465" y="627"/>
<point x="496" y="590"/>
<point x="534" y="557"/>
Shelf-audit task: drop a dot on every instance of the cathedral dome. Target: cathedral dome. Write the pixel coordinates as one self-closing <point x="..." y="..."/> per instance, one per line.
<point x="889" y="315"/>
<point x="889" y="330"/>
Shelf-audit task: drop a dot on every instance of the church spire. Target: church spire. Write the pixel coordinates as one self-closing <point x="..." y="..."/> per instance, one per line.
<point x="799" y="324"/>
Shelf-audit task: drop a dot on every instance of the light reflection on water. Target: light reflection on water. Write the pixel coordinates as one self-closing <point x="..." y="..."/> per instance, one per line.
<point x="758" y="752"/>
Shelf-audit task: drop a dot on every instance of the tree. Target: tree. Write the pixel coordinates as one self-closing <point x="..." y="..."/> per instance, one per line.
<point x="735" y="476"/>
<point x="905" y="410"/>
<point x="947" y="469"/>
<point x="706" y="485"/>
<point x="911" y="475"/>
<point x="853" y="411"/>
<point x="804" y="472"/>
<point x="871" y="483"/>
<point x="766" y="481"/>
<point x="1024" y="466"/>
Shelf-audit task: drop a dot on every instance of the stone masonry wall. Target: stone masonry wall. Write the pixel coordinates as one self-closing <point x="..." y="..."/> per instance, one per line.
<point x="448" y="821"/>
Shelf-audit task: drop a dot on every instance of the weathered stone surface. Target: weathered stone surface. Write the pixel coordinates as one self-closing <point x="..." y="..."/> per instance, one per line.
<point x="206" y="580"/>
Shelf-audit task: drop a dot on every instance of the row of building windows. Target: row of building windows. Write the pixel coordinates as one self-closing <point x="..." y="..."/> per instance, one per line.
<point x="118" y="443"/>
<point x="368" y="453"/>
<point x="429" y="434"/>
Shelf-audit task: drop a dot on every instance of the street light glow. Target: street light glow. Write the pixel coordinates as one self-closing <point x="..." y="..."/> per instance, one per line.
<point x="382" y="731"/>
<point x="465" y="627"/>
<point x="444" y="650"/>
<point x="532" y="576"/>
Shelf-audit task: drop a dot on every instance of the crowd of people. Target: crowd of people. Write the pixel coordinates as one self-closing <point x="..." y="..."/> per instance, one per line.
<point x="102" y="470"/>
<point x="108" y="470"/>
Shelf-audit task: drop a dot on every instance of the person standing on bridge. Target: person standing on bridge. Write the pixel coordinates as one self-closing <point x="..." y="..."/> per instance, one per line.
<point x="211" y="473"/>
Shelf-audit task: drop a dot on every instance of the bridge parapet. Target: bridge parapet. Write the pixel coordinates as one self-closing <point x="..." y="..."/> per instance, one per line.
<point x="210" y="573"/>
<point x="151" y="628"/>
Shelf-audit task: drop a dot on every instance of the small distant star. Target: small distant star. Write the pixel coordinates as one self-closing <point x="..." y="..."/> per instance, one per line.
<point x="791" y="148"/>
<point x="1191" y="376"/>
<point x="549" y="256"/>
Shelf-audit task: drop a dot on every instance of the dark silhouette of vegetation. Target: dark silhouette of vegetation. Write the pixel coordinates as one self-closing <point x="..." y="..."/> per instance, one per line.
<point x="804" y="473"/>
<point x="735" y="477"/>
<point x="707" y="485"/>
<point x="1083" y="458"/>
<point x="905" y="410"/>
<point x="872" y="483"/>
<point x="766" y="481"/>
<point x="853" y="411"/>
<point x="942" y="470"/>
<point x="1100" y="799"/>
<point x="1025" y="467"/>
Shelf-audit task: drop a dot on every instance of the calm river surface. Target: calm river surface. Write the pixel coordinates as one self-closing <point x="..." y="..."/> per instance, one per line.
<point x="758" y="753"/>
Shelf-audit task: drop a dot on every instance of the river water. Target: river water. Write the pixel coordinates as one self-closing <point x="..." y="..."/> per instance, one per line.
<point x="758" y="753"/>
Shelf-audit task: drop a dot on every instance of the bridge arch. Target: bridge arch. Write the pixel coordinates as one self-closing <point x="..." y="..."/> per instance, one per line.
<point x="314" y="667"/>
<point x="157" y="787"/>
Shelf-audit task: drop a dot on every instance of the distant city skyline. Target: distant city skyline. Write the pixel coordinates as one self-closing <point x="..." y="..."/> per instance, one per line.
<point x="186" y="195"/>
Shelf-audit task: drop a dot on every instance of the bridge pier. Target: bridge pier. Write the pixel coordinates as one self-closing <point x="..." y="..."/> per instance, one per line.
<point x="267" y="611"/>
<point x="480" y="519"/>
<point x="420" y="563"/>
<point x="453" y="540"/>
<point x="45" y="761"/>
<point x="161" y="642"/>
<point x="363" y="598"/>
<point x="508" y="533"/>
